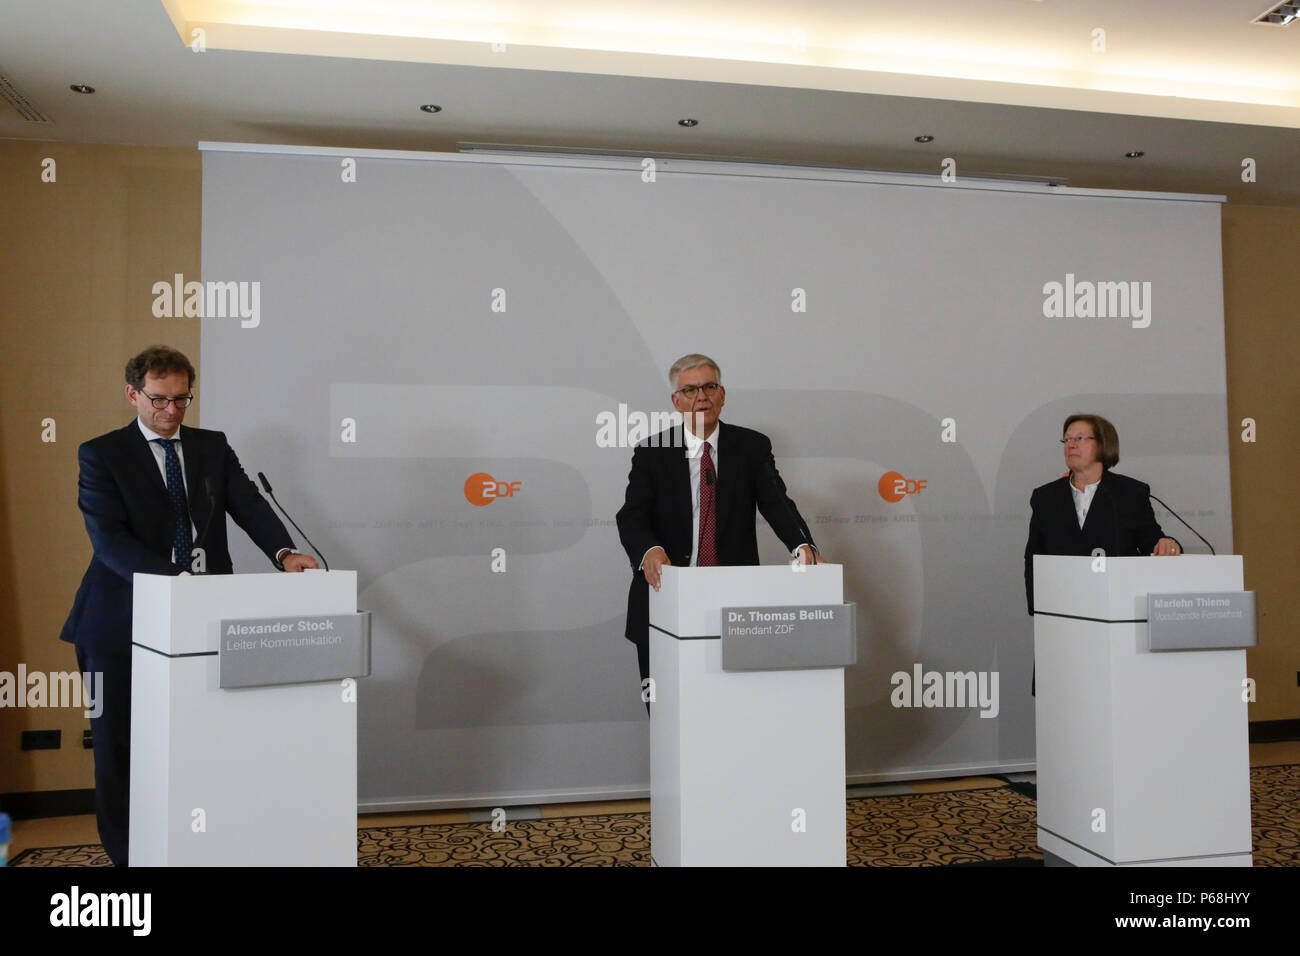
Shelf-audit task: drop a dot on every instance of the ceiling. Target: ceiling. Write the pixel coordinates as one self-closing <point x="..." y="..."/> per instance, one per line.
<point x="1042" y="89"/>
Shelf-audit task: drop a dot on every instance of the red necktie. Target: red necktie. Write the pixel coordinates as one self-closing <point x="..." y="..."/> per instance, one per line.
<point x="707" y="555"/>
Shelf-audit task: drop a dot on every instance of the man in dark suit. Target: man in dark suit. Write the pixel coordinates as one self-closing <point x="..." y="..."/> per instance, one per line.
<point x="154" y="496"/>
<point x="1092" y="507"/>
<point x="692" y="495"/>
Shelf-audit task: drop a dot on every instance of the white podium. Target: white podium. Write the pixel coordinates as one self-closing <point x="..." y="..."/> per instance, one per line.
<point x="1143" y="755"/>
<point x="254" y="776"/>
<point x="746" y="767"/>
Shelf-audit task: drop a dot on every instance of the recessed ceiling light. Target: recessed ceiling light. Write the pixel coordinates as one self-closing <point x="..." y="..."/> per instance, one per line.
<point x="431" y="108"/>
<point x="81" y="88"/>
<point x="688" y="122"/>
<point x="1282" y="15"/>
<point x="924" y="139"/>
<point x="1135" y="154"/>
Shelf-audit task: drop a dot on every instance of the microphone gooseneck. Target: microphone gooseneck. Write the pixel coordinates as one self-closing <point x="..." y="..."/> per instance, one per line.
<point x="1185" y="524"/>
<point x="795" y="518"/>
<point x="207" y="522"/>
<point x="266" y="486"/>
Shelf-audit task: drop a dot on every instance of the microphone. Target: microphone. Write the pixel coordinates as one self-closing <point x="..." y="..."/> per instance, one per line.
<point x="212" y="510"/>
<point x="1185" y="524"/>
<point x="266" y="486"/>
<point x="772" y="476"/>
<point x="1114" y="522"/>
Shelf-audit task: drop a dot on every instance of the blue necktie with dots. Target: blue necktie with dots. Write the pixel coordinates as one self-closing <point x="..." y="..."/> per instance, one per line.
<point x="181" y="539"/>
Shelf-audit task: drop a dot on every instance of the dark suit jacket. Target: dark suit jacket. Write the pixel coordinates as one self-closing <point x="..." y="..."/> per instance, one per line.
<point x="122" y="494"/>
<point x="1120" y="522"/>
<point x="657" y="508"/>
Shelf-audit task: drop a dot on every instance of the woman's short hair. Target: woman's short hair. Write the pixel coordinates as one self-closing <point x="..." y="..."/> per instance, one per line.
<point x="1104" y="432"/>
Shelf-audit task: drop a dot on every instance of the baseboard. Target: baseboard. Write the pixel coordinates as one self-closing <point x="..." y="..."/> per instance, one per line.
<point x="1274" y="731"/>
<point x="47" y="803"/>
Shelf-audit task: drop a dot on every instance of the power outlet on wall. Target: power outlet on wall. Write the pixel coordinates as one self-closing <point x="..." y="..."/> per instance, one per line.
<point x="42" y="739"/>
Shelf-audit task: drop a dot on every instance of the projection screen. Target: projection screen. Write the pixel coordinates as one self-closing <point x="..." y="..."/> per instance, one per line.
<point x="417" y="324"/>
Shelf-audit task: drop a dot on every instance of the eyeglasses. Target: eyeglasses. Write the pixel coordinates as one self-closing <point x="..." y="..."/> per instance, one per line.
<point x="160" y="403"/>
<point x="688" y="391"/>
<point x="1076" y="439"/>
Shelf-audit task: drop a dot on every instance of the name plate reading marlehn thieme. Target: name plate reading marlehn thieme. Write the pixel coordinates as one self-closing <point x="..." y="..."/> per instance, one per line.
<point x="1201" y="621"/>
<point x="786" y="638"/>
<point x="260" y="651"/>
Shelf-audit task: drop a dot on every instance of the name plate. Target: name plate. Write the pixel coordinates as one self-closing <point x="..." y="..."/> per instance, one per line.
<point x="1201" y="621"/>
<point x="261" y="651"/>
<point x="787" y="638"/>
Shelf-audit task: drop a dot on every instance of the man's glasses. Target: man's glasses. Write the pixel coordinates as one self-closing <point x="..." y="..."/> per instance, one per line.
<point x="689" y="391"/>
<point x="160" y="403"/>
<point x="1076" y="439"/>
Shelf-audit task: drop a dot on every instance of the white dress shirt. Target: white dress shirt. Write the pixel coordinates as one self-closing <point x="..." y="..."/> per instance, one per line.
<point x="1083" y="499"/>
<point x="160" y="454"/>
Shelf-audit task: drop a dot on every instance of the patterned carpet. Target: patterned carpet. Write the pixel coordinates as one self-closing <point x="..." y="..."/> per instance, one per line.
<point x="994" y="825"/>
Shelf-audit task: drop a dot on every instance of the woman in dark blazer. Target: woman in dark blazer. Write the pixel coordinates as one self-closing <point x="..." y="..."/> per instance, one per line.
<point x="1092" y="507"/>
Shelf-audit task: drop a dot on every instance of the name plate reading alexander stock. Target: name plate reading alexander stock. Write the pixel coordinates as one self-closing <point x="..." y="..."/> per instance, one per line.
<point x="260" y="651"/>
<point x="1201" y="621"/>
<point x="788" y="638"/>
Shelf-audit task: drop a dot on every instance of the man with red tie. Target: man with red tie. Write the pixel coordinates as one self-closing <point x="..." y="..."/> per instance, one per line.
<point x="693" y="492"/>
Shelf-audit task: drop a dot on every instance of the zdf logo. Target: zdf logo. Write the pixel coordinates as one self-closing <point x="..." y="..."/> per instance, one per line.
<point x="894" y="487"/>
<point x="481" y="489"/>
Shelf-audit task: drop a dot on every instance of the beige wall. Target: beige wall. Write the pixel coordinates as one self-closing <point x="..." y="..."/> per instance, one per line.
<point x="80" y="258"/>
<point x="1261" y="287"/>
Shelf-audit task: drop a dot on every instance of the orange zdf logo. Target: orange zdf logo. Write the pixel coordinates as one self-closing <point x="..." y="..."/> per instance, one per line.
<point x="894" y="487"/>
<point x="482" y="489"/>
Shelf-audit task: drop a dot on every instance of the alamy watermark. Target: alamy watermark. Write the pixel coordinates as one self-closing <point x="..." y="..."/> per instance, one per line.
<point x="55" y="689"/>
<point x="209" y="300"/>
<point x="922" y="688"/>
<point x="1086" y="299"/>
<point x="129" y="910"/>
<point x="627" y="429"/>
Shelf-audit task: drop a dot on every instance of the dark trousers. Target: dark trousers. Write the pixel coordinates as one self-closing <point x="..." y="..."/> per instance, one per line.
<point x="643" y="663"/>
<point x="110" y="685"/>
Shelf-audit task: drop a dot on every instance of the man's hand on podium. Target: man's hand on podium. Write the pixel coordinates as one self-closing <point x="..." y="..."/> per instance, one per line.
<point x="655" y="559"/>
<point x="808" y="556"/>
<point x="299" y="562"/>
<point x="1167" y="546"/>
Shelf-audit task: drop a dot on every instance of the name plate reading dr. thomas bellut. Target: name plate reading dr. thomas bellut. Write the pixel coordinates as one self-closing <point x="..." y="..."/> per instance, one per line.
<point x="260" y="651"/>
<point x="786" y="638"/>
<point x="1201" y="621"/>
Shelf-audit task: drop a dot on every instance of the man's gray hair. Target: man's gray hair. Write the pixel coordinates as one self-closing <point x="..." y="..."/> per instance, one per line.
<point x="694" y="360"/>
